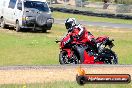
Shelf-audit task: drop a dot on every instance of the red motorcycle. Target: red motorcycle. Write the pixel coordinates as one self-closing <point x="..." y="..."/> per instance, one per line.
<point x="75" y="51"/>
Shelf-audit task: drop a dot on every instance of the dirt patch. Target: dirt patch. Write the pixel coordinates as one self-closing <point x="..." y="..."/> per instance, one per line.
<point x="19" y="76"/>
<point x="35" y="76"/>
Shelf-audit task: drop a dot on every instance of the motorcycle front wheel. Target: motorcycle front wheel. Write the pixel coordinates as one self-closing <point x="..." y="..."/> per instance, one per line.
<point x="63" y="58"/>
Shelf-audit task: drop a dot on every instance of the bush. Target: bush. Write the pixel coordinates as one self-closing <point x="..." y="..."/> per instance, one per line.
<point x="117" y="1"/>
<point x="94" y="0"/>
<point x="123" y="1"/>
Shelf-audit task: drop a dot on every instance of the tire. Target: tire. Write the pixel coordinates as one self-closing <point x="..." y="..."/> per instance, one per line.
<point x="41" y="19"/>
<point x="18" y="28"/>
<point x="44" y="30"/>
<point x="2" y="23"/>
<point x="109" y="56"/>
<point x="63" y="58"/>
<point x="75" y="59"/>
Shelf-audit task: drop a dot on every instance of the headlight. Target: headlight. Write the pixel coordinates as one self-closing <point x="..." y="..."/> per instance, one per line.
<point x="25" y="18"/>
<point x="28" y="18"/>
<point x="51" y="20"/>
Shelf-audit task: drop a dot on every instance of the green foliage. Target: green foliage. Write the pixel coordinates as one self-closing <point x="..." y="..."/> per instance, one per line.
<point x="84" y="0"/>
<point x="123" y="1"/>
<point x="95" y="0"/>
<point x="116" y="1"/>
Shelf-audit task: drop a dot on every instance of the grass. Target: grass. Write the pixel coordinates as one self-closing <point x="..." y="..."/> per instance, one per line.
<point x="60" y="15"/>
<point x="29" y="48"/>
<point x="26" y="48"/>
<point x="65" y="84"/>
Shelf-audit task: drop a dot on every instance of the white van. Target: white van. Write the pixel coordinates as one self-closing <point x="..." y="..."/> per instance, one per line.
<point x="34" y="14"/>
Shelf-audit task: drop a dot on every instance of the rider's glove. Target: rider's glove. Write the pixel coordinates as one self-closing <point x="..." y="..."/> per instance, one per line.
<point x="77" y="36"/>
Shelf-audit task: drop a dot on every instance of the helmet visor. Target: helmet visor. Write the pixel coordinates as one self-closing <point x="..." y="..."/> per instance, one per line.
<point x="68" y="25"/>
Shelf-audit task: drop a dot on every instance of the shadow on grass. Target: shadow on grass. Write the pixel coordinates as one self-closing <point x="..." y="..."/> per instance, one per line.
<point x="27" y="30"/>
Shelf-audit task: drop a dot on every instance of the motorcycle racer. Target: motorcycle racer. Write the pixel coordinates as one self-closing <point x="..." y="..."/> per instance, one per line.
<point x="81" y="33"/>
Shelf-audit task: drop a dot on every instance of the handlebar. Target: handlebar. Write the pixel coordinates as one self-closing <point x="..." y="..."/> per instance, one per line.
<point x="112" y="40"/>
<point x="108" y="40"/>
<point x="57" y="41"/>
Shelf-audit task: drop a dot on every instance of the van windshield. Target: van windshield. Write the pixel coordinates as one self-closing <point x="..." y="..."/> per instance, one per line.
<point x="41" y="6"/>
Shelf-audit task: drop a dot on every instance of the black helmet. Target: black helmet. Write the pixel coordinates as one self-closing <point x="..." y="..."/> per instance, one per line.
<point x="70" y="23"/>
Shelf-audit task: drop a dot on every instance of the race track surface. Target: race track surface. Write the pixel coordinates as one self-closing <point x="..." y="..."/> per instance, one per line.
<point x="51" y="73"/>
<point x="100" y="24"/>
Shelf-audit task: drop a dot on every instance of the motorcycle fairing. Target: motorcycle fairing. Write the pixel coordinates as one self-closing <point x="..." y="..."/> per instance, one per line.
<point x="101" y="39"/>
<point x="84" y="56"/>
<point x="69" y="53"/>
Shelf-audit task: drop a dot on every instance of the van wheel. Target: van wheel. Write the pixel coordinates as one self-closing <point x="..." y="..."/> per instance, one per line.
<point x="44" y="30"/>
<point x="2" y="23"/>
<point x="17" y="26"/>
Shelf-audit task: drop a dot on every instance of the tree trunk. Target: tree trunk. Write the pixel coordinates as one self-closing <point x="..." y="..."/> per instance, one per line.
<point x="56" y="2"/>
<point x="106" y="4"/>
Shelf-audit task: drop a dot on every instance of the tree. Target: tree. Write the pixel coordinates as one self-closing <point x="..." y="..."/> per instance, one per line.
<point x="106" y="4"/>
<point x="123" y="1"/>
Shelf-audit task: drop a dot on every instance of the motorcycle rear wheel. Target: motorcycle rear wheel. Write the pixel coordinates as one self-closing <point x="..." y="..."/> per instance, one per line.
<point x="109" y="56"/>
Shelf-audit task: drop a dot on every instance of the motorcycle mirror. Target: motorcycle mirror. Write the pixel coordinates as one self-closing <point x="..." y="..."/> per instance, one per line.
<point x="57" y="41"/>
<point x="112" y="40"/>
